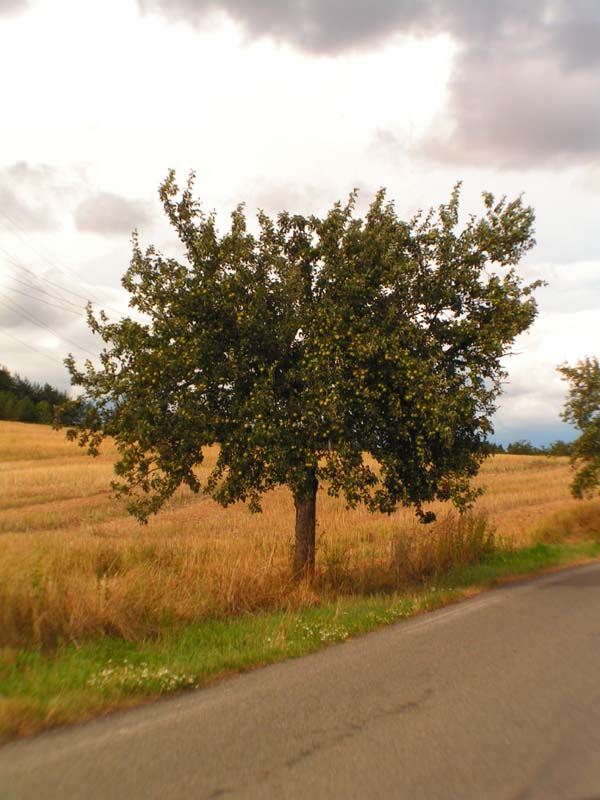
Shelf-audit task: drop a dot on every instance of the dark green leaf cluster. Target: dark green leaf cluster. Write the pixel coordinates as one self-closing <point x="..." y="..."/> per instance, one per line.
<point x="307" y="346"/>
<point x="523" y="447"/>
<point x="582" y="409"/>
<point x="24" y="401"/>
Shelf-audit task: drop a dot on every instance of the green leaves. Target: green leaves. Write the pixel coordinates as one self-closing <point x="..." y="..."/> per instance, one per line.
<point x="582" y="409"/>
<point x="307" y="345"/>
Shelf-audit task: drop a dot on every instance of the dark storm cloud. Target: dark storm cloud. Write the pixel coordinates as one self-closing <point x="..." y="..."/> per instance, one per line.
<point x="525" y="82"/>
<point x="108" y="213"/>
<point x="31" y="195"/>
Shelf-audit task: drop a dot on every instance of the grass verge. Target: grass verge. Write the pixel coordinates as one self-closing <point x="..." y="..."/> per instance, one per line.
<point x="74" y="682"/>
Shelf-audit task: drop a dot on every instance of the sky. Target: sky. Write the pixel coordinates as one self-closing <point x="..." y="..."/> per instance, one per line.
<point x="290" y="104"/>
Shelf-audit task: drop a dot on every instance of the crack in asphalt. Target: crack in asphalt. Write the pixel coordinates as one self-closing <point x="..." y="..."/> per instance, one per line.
<point x="348" y="731"/>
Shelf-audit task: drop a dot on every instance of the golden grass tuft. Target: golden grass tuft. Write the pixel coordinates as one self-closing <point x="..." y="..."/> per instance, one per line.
<point x="571" y="524"/>
<point x="74" y="565"/>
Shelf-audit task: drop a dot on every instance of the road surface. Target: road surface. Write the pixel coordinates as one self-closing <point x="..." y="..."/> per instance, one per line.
<point x="498" y="697"/>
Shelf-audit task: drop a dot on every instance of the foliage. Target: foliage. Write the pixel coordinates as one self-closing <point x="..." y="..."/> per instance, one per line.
<point x="24" y="401"/>
<point x="523" y="447"/>
<point x="582" y="409"/>
<point x="491" y="448"/>
<point x="560" y="448"/>
<point x="453" y="541"/>
<point x="303" y="347"/>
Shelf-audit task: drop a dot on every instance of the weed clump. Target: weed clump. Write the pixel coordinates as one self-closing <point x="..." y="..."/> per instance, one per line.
<point x="455" y="540"/>
<point x="572" y="524"/>
<point x="131" y="678"/>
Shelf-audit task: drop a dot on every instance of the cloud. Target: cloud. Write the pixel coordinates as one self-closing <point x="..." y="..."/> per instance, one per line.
<point x="43" y="318"/>
<point x="39" y="197"/>
<point x="22" y="312"/>
<point x="514" y="114"/>
<point x="312" y="25"/>
<point x="39" y="325"/>
<point x="10" y="8"/>
<point x="519" y="102"/>
<point x="46" y="301"/>
<point x="573" y="287"/>
<point x="33" y="195"/>
<point x="33" y="216"/>
<point x="108" y="213"/>
<point x="328" y="28"/>
<point x="534" y="394"/>
<point x="275" y="196"/>
<point x="525" y="82"/>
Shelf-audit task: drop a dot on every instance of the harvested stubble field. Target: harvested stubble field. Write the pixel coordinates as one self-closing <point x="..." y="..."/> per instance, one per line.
<point x="74" y="565"/>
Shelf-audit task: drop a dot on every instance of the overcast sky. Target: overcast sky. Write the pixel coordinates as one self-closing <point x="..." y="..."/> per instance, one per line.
<point x="290" y="104"/>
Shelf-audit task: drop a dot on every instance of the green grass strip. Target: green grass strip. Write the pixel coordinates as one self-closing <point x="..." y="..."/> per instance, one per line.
<point x="40" y="689"/>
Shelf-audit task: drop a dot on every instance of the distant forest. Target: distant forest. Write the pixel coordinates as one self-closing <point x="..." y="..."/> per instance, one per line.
<point x="525" y="448"/>
<point x="24" y="401"/>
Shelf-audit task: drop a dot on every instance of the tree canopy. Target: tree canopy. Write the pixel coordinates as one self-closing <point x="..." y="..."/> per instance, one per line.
<point x="305" y="347"/>
<point x="582" y="409"/>
<point x="24" y="401"/>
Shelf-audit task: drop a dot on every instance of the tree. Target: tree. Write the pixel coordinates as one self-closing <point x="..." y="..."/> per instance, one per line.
<point x="6" y="381"/>
<point x="523" y="447"/>
<point x="560" y="448"/>
<point x="307" y="346"/>
<point x="43" y="412"/>
<point x="25" y="401"/>
<point x="7" y="405"/>
<point x="25" y="410"/>
<point x="492" y="449"/>
<point x="582" y="409"/>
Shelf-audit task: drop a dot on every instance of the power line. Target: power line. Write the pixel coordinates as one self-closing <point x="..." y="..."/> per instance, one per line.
<point x="25" y="241"/>
<point x="30" y="346"/>
<point x="53" y="283"/>
<point x="60" y="267"/>
<point x="42" y="278"/>
<point x="66" y="309"/>
<point x="40" y="289"/>
<point x="9" y="260"/>
<point x="8" y="257"/>
<point x="30" y="318"/>
<point x="78" y="308"/>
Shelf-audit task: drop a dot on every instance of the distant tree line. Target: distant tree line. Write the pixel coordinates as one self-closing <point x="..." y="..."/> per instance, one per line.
<point x="523" y="447"/>
<point x="24" y="401"/>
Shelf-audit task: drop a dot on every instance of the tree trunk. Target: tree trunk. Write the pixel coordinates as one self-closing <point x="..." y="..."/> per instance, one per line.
<point x="305" y="501"/>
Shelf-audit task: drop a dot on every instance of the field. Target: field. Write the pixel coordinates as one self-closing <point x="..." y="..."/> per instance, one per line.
<point x="74" y="565"/>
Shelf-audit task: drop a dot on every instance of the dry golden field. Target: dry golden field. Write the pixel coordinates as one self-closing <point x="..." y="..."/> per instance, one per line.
<point x="73" y="564"/>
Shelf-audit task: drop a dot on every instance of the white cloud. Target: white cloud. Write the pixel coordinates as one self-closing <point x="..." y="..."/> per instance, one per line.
<point x="282" y="115"/>
<point x="534" y="394"/>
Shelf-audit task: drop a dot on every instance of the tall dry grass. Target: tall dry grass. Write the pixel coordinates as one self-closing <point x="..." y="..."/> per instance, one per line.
<point x="74" y="565"/>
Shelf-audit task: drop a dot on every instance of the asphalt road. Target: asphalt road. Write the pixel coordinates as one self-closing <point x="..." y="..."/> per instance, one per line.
<point x="498" y="697"/>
